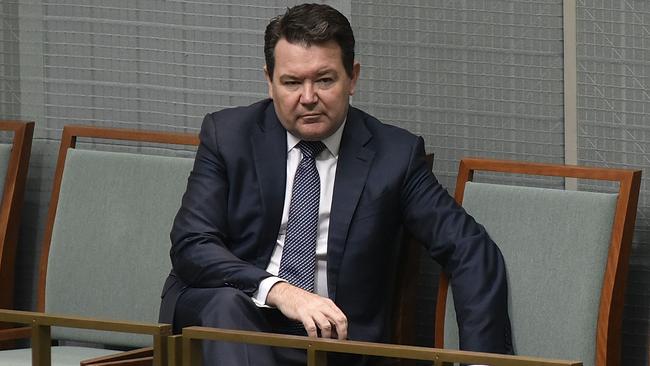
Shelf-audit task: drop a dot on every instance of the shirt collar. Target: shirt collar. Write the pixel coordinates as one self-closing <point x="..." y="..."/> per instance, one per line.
<point x="332" y="143"/>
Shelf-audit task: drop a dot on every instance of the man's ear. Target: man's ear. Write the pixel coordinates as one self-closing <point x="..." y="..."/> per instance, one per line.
<point x="269" y="81"/>
<point x="356" y="70"/>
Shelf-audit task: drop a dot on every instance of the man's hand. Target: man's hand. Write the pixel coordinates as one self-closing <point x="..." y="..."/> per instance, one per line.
<point x="313" y="311"/>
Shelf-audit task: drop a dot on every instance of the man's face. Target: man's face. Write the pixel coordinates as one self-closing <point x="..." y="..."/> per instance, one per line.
<point x="310" y="88"/>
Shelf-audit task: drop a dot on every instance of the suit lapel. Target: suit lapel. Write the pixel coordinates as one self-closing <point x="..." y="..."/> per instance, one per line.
<point x="270" y="153"/>
<point x="355" y="159"/>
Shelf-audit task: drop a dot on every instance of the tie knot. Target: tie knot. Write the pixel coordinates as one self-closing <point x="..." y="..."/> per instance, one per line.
<point x="311" y="149"/>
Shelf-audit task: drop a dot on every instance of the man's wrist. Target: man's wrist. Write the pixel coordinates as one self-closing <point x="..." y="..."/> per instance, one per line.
<point x="259" y="297"/>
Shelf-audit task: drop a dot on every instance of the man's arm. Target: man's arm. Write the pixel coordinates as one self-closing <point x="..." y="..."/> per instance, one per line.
<point x="200" y="254"/>
<point x="467" y="254"/>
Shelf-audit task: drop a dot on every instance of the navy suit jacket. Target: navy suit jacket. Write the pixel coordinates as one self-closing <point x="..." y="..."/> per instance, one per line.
<point x="227" y="226"/>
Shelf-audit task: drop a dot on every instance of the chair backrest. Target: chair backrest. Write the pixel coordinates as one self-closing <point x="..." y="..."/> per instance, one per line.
<point x="106" y="246"/>
<point x="14" y="161"/>
<point x="566" y="255"/>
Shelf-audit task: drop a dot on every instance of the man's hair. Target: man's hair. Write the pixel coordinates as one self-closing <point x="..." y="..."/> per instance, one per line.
<point x="308" y="24"/>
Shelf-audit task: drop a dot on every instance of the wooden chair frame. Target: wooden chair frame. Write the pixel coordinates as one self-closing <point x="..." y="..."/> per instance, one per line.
<point x="69" y="141"/>
<point x="157" y="354"/>
<point x="11" y="205"/>
<point x="317" y="349"/>
<point x="608" y="337"/>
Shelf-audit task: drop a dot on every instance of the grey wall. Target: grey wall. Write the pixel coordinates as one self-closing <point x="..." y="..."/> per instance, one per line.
<point x="473" y="77"/>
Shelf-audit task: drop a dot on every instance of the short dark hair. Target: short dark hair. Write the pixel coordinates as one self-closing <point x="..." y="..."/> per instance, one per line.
<point x="310" y="24"/>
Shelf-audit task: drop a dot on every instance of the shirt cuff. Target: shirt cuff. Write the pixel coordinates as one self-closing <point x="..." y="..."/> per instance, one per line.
<point x="259" y="297"/>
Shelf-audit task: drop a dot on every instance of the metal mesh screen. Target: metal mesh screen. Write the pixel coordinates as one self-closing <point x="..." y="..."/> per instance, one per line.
<point x="480" y="78"/>
<point x="614" y="130"/>
<point x="9" y="61"/>
<point x="148" y="64"/>
<point x="474" y="78"/>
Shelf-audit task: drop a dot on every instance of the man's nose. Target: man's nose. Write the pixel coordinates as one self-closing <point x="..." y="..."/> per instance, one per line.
<point x="308" y="95"/>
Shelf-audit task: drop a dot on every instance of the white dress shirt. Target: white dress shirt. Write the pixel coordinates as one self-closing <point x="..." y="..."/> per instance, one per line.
<point x="326" y="165"/>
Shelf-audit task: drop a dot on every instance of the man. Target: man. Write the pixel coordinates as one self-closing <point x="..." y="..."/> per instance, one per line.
<point x="251" y="249"/>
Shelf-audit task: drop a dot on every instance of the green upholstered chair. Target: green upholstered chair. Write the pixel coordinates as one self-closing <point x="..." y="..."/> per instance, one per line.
<point x="14" y="160"/>
<point x="106" y="246"/>
<point x="566" y="256"/>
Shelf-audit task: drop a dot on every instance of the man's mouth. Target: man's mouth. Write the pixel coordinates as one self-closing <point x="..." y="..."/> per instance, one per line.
<point x="311" y="117"/>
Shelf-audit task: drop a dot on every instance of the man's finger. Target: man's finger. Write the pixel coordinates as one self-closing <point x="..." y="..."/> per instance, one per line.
<point x="341" y="329"/>
<point x="339" y="322"/>
<point x="310" y="327"/>
<point x="324" y="325"/>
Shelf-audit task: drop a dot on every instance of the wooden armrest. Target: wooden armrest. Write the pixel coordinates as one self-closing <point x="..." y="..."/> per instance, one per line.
<point x="41" y="324"/>
<point x="139" y="353"/>
<point x="175" y="350"/>
<point x="11" y="334"/>
<point x="143" y="361"/>
<point x="317" y="348"/>
<point x="48" y="320"/>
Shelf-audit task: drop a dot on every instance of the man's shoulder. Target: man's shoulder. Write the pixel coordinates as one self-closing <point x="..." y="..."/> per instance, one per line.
<point x="380" y="129"/>
<point x="242" y="115"/>
<point x="233" y="127"/>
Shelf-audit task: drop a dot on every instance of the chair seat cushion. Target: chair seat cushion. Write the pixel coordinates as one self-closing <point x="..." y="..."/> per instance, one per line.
<point x="61" y="356"/>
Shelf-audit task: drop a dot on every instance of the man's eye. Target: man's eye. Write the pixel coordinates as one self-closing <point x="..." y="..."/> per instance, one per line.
<point x="291" y="83"/>
<point x="325" y="80"/>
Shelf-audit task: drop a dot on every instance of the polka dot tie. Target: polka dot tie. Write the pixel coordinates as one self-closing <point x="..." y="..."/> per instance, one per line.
<point x="298" y="263"/>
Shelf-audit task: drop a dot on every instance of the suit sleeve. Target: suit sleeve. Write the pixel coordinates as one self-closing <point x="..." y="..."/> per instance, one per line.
<point x="466" y="253"/>
<point x="200" y="254"/>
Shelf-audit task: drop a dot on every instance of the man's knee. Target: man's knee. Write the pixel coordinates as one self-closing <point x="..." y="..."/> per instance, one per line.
<point x="222" y="307"/>
<point x="225" y="296"/>
<point x="228" y="301"/>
